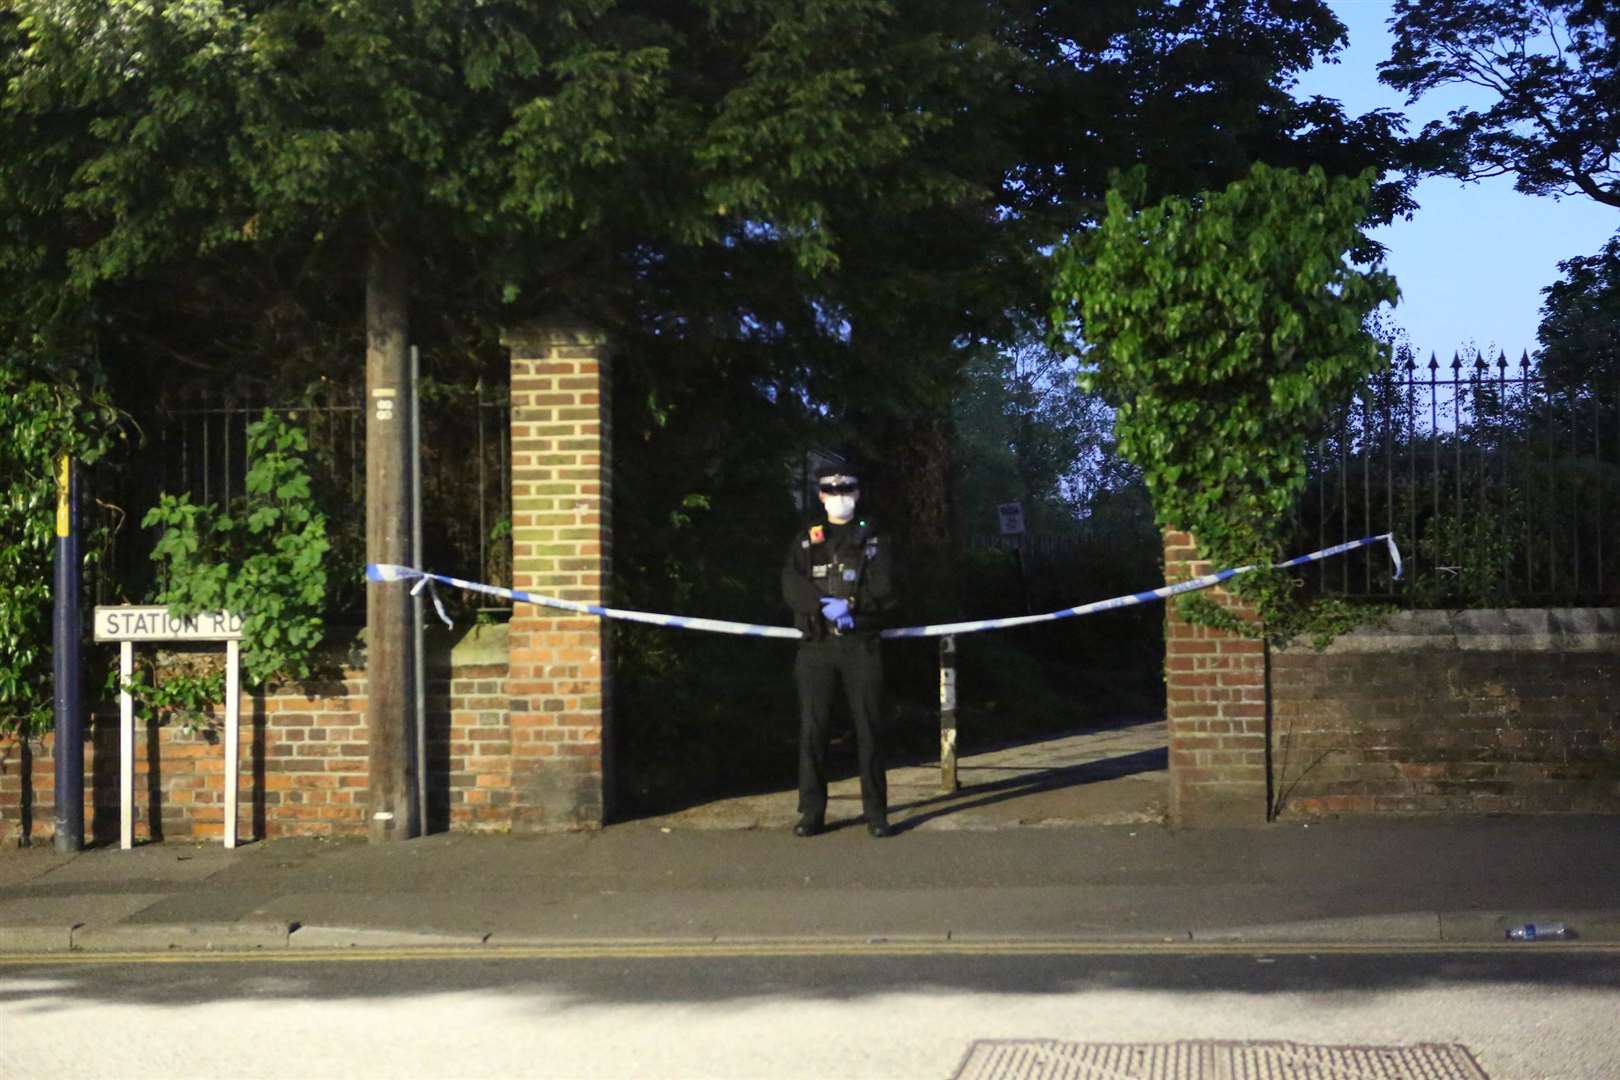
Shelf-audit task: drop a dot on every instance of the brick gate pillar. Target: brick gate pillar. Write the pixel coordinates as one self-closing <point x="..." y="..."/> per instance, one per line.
<point x="1215" y="691"/>
<point x="558" y="675"/>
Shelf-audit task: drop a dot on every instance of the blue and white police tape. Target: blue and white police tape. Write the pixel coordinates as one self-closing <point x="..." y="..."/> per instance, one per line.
<point x="1149" y="597"/>
<point x="389" y="572"/>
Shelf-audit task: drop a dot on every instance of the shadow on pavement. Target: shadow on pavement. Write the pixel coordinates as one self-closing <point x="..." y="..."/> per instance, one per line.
<point x="975" y="796"/>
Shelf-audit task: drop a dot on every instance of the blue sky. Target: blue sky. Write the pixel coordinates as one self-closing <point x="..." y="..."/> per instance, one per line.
<point x="1474" y="258"/>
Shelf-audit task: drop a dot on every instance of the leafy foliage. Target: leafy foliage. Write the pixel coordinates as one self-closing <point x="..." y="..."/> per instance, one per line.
<point x="263" y="557"/>
<point x="186" y="695"/>
<point x="826" y="207"/>
<point x="45" y="412"/>
<point x="1196" y="91"/>
<point x="1580" y="324"/>
<point x="499" y="149"/>
<point x="1028" y="433"/>
<point x="1554" y="69"/>
<point x="1225" y="330"/>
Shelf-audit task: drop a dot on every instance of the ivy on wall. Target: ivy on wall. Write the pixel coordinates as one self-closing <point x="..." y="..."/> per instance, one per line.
<point x="263" y="556"/>
<point x="1225" y="329"/>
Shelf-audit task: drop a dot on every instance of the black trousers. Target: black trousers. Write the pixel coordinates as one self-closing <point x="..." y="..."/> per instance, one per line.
<point x="854" y="661"/>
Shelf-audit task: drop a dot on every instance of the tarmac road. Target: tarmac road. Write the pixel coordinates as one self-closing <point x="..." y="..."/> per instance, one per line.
<point x="804" y="1010"/>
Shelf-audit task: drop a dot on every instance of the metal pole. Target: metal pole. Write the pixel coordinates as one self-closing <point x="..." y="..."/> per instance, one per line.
<point x="1572" y="408"/>
<point x="1344" y="503"/>
<point x="1526" y="466"/>
<point x="1597" y="460"/>
<point x="947" y="714"/>
<point x="419" y="772"/>
<point x="1501" y="451"/>
<point x="483" y="486"/>
<point x="1389" y="422"/>
<point x="1321" y="521"/>
<point x="1023" y="581"/>
<point x="207" y="444"/>
<point x="1550" y="422"/>
<point x="68" y="631"/>
<point x="1434" y="446"/>
<point x="1457" y="435"/>
<point x="1411" y="467"/>
<point x="1366" y="498"/>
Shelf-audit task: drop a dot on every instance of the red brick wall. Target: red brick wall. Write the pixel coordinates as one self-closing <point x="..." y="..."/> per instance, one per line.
<point x="522" y="738"/>
<point x="1434" y="712"/>
<point x="303" y="762"/>
<point x="561" y="546"/>
<point x="312" y="744"/>
<point x="469" y="738"/>
<point x="1460" y="713"/>
<point x="1216" y="706"/>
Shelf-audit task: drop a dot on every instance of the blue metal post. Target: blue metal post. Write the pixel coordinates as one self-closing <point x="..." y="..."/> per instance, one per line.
<point x="68" y="630"/>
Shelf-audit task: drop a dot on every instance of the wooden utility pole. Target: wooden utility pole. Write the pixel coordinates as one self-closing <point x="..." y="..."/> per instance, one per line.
<point x="390" y="656"/>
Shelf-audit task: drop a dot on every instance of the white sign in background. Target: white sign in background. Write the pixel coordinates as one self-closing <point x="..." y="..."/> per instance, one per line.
<point x="127" y="624"/>
<point x="1012" y="518"/>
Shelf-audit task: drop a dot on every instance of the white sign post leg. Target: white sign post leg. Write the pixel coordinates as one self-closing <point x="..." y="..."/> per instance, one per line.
<point x="126" y="747"/>
<point x="127" y="624"/>
<point x="947" y="714"/>
<point x="233" y="657"/>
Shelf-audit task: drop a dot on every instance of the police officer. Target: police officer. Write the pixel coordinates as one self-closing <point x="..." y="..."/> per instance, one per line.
<point x="839" y="582"/>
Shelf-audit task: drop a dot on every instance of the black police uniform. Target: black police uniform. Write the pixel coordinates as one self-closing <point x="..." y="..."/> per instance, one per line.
<point x="855" y="562"/>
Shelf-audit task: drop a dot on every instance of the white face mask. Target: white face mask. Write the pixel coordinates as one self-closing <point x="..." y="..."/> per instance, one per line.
<point x="840" y="508"/>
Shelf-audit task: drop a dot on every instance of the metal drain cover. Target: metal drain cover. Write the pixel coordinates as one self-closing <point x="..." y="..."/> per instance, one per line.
<point x="1050" y="1059"/>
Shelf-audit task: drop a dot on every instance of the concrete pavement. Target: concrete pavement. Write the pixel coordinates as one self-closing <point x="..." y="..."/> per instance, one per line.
<point x="1046" y="843"/>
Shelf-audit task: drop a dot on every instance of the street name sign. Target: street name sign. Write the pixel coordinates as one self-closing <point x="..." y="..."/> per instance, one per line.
<point x="152" y="623"/>
<point x="128" y="624"/>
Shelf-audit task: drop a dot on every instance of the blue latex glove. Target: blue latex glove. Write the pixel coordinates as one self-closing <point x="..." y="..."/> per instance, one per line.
<point x="835" y="610"/>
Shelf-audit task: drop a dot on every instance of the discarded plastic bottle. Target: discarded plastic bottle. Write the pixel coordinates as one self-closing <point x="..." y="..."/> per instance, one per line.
<point x="1538" y="931"/>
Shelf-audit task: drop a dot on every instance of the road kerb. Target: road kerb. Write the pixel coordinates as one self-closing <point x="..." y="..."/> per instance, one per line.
<point x="156" y="937"/>
<point x="355" y="937"/>
<point x="1394" y="928"/>
<point x="31" y="939"/>
<point x="1583" y="924"/>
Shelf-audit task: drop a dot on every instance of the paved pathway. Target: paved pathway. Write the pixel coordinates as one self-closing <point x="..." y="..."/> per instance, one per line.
<point x="1112" y="775"/>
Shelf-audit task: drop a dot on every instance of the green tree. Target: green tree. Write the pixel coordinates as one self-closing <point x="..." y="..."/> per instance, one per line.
<point x="413" y="147"/>
<point x="480" y="162"/>
<point x="1224" y="330"/>
<point x="1552" y="68"/>
<point x="1580" y="322"/>
<point x="1195" y="91"/>
<point x="829" y="204"/>
<point x="1029" y="433"/>
<point x="259" y="167"/>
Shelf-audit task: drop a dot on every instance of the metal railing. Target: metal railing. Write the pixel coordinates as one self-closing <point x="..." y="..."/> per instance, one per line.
<point x="196" y="442"/>
<point x="1499" y="486"/>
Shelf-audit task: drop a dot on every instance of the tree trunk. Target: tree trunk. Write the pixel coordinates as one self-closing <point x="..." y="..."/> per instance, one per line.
<point x="912" y="497"/>
<point x="390" y="694"/>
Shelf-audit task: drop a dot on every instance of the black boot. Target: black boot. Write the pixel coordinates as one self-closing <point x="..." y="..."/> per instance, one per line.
<point x="809" y="825"/>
